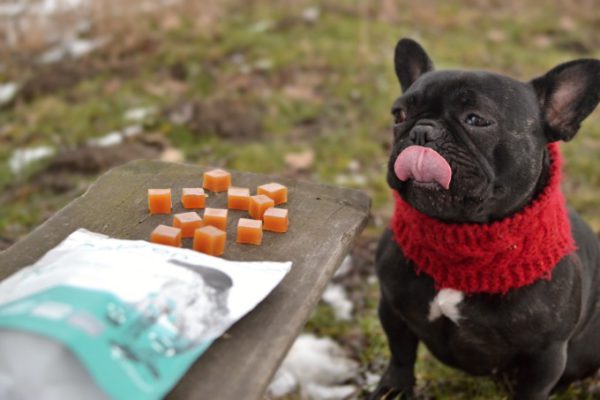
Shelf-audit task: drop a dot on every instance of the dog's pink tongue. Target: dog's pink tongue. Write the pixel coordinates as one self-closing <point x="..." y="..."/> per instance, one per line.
<point x="423" y="165"/>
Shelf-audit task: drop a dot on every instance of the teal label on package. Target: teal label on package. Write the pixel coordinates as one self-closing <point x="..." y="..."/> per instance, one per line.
<point x="131" y="352"/>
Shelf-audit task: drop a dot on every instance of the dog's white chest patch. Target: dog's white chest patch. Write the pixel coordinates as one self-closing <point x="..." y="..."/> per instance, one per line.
<point x="446" y="303"/>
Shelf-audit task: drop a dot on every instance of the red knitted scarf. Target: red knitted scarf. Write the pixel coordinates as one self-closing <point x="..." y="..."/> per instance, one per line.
<point x="489" y="258"/>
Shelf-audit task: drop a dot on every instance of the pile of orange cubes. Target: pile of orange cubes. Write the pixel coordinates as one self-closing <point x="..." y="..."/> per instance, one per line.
<point x="209" y="231"/>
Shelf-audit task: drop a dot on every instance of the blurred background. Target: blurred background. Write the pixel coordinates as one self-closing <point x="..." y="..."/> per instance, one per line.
<point x="290" y="87"/>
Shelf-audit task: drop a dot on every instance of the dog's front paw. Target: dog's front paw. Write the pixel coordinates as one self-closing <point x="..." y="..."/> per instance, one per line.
<point x="396" y="383"/>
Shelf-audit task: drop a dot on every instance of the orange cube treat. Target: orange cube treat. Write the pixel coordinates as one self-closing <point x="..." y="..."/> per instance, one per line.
<point x="275" y="191"/>
<point x="238" y="198"/>
<point x="210" y="240"/>
<point x="259" y="204"/>
<point x="249" y="231"/>
<point x="193" y="198"/>
<point x="188" y="222"/>
<point x="216" y="180"/>
<point x="159" y="201"/>
<point x="216" y="217"/>
<point x="168" y="235"/>
<point x="276" y="220"/>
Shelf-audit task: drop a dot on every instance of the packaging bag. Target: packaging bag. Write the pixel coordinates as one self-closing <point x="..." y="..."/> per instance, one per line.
<point x="134" y="314"/>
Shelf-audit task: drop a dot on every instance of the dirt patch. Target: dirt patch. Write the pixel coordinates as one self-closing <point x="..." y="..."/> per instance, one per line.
<point x="94" y="160"/>
<point x="227" y="118"/>
<point x="60" y="176"/>
<point x="178" y="71"/>
<point x="60" y="76"/>
<point x="119" y="61"/>
<point x="576" y="46"/>
<point x="5" y="243"/>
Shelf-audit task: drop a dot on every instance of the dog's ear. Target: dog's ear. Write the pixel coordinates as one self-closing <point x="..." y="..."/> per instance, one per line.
<point x="410" y="62"/>
<point x="567" y="94"/>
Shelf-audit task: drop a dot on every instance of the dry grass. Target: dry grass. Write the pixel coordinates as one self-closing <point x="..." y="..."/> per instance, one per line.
<point x="31" y="30"/>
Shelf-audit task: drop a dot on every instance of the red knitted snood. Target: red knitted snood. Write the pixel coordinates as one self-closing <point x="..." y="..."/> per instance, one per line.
<point x="489" y="258"/>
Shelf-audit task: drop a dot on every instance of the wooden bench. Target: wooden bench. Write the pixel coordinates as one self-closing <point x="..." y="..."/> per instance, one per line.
<point x="325" y="220"/>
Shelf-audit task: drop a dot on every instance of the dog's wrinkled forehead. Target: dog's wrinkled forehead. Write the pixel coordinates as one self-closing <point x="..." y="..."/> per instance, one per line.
<point x="471" y="89"/>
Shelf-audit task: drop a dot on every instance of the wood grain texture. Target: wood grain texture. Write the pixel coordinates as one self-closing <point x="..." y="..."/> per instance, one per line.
<point x="324" y="221"/>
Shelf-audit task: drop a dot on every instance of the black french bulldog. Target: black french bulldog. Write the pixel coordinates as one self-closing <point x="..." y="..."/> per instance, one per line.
<point x="490" y="137"/>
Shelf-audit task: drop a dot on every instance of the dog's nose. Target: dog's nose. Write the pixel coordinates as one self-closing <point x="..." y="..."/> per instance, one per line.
<point x="423" y="134"/>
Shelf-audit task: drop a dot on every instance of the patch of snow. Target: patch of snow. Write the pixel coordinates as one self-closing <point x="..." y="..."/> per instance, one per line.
<point x="74" y="48"/>
<point x="116" y="137"/>
<point x="139" y="114"/>
<point x="319" y="392"/>
<point x="311" y="14"/>
<point x="354" y="166"/>
<point x="284" y="382"/>
<point x="182" y="115"/>
<point x="261" y="26"/>
<point x="345" y="267"/>
<point x="371" y="379"/>
<point x="335" y="295"/>
<point x="21" y="158"/>
<point x="56" y="6"/>
<point x="318" y="367"/>
<point x="80" y="47"/>
<point x="8" y="92"/>
<point x="132" y="130"/>
<point x="53" y="55"/>
<point x="110" y="139"/>
<point x="354" y="179"/>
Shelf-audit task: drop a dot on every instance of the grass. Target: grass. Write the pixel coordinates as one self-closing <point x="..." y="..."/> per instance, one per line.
<point x="324" y="85"/>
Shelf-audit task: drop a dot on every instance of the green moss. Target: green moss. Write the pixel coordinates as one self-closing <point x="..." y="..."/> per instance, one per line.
<point x="323" y="322"/>
<point x="376" y="346"/>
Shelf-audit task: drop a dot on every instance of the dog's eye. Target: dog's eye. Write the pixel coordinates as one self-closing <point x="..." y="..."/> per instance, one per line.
<point x="476" y="120"/>
<point x="399" y="115"/>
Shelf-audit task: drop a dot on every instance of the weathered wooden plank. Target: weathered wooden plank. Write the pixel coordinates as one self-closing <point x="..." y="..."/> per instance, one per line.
<point x="324" y="222"/>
